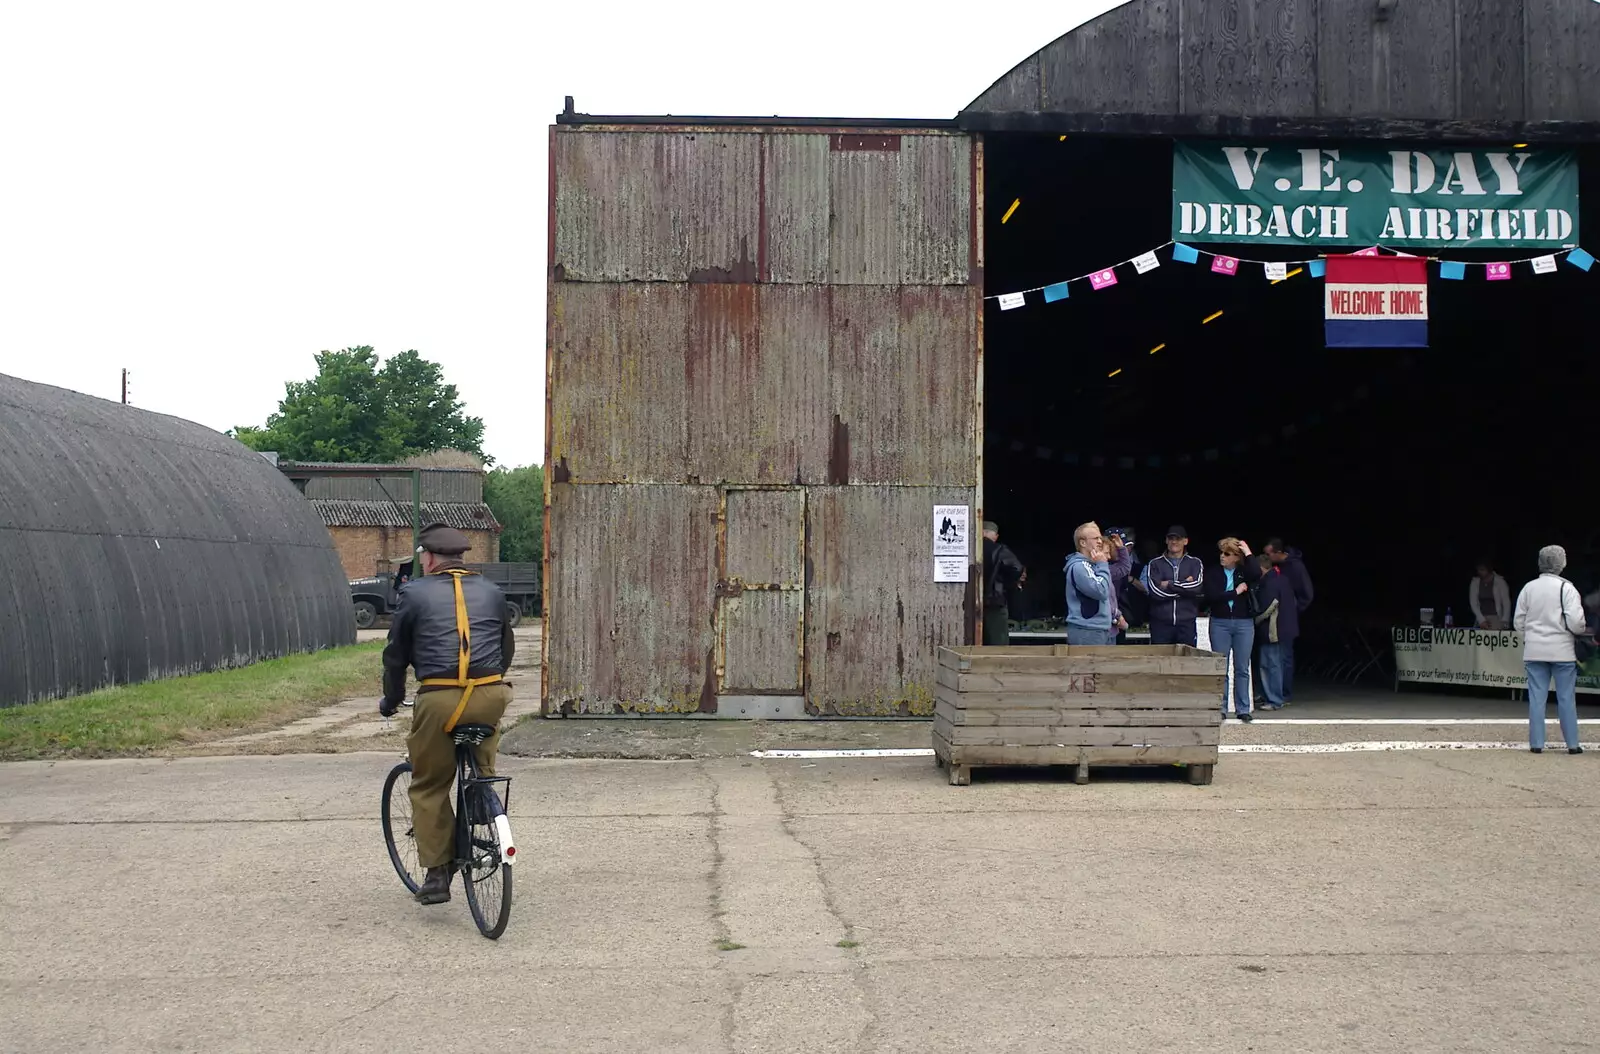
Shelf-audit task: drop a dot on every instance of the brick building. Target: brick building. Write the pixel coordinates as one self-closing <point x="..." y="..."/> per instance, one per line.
<point x="369" y="518"/>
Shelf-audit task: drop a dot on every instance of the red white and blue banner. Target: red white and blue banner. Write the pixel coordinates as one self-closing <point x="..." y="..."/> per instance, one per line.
<point x="1376" y="302"/>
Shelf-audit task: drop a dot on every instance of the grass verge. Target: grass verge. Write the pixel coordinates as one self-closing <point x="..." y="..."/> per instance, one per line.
<point x="141" y="718"/>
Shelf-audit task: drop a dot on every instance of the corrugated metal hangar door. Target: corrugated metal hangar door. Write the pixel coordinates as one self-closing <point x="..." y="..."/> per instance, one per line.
<point x="764" y="373"/>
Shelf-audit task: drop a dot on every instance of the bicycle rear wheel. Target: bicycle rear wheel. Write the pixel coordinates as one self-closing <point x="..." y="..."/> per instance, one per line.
<point x="398" y="831"/>
<point x="486" y="877"/>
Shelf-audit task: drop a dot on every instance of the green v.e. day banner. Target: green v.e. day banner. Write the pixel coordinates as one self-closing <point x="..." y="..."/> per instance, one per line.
<point x="1363" y="194"/>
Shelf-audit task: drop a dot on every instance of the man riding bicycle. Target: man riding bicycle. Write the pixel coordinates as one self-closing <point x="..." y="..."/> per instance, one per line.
<point x="451" y="627"/>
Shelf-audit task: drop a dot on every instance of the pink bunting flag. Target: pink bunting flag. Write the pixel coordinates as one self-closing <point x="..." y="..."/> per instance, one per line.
<point x="1227" y="265"/>
<point x="1498" y="272"/>
<point x="1102" y="279"/>
<point x="1366" y="252"/>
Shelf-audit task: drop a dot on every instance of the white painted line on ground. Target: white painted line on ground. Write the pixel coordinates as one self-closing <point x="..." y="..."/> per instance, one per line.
<point x="883" y="752"/>
<point x="1227" y="748"/>
<point x="1398" y="744"/>
<point x="1265" y="721"/>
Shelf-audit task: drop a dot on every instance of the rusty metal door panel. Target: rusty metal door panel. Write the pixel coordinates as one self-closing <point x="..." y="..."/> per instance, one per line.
<point x="904" y="366"/>
<point x="796" y="200"/>
<point x="618" y="387"/>
<point x="875" y="617"/>
<point x="758" y="387"/>
<point x="656" y="206"/>
<point x="864" y="225"/>
<point x="761" y="592"/>
<point x="765" y="541"/>
<point x="763" y="639"/>
<point x="935" y="209"/>
<point x="632" y="573"/>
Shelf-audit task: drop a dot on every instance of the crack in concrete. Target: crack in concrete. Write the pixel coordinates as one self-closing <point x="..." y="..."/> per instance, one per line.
<point x="1438" y="763"/>
<point x="379" y="1005"/>
<point x="867" y="1040"/>
<point x="715" y="880"/>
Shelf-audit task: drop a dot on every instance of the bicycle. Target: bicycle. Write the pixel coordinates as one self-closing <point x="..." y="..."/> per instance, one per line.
<point x="485" y="850"/>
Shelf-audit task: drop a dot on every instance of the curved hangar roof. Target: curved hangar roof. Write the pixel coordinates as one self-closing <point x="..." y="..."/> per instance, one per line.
<point x="135" y="546"/>
<point x="1466" y="69"/>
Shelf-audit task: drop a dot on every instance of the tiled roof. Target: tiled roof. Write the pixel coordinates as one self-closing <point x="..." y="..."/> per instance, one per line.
<point x="461" y="516"/>
<point x="287" y="467"/>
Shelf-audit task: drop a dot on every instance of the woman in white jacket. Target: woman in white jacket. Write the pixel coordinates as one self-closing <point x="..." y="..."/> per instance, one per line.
<point x="1490" y="599"/>
<point x="1549" y="614"/>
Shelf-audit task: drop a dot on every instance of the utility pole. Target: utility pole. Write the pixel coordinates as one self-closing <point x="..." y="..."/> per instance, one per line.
<point x="124" y="387"/>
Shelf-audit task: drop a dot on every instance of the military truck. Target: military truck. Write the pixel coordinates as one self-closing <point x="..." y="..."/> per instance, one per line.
<point x="377" y="597"/>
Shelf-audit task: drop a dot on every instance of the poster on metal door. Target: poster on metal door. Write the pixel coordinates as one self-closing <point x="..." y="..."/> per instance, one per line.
<point x="952" y="543"/>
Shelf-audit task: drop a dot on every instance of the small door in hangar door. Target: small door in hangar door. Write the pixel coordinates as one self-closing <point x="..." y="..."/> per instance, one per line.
<point x="761" y="592"/>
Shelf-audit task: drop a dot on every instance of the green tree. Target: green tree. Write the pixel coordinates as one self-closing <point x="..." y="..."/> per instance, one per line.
<point x="356" y="410"/>
<point x="516" y="496"/>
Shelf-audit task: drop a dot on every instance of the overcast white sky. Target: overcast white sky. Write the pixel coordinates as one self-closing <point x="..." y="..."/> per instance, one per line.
<point x="210" y="193"/>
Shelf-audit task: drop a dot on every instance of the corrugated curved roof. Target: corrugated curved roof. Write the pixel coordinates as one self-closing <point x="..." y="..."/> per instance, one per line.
<point x="135" y="546"/>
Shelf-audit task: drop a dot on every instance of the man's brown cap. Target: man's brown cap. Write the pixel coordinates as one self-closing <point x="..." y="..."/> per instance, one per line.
<point x="443" y="540"/>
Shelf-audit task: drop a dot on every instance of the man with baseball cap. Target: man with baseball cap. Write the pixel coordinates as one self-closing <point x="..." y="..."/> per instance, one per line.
<point x="451" y="627"/>
<point x="1175" y="582"/>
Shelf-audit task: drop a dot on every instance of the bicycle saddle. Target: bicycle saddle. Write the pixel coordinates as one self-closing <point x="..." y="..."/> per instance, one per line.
<point x="473" y="734"/>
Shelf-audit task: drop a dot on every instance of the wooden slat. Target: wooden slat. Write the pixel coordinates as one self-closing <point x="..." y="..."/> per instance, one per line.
<point x="1075" y="735"/>
<point x="1080" y="684"/>
<point x="989" y="701"/>
<point x="967" y="754"/>
<point x="967" y="657"/>
<point x="963" y="736"/>
<point x="1111" y="660"/>
<point x="1108" y="718"/>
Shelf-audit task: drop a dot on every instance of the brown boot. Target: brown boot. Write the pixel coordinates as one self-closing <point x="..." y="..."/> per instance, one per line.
<point x="435" y="888"/>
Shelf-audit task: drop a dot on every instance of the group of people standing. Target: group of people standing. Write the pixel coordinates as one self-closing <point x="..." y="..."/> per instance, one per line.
<point x="1254" y="601"/>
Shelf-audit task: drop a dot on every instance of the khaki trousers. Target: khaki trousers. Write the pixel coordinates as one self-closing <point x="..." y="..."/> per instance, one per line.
<point x="433" y="762"/>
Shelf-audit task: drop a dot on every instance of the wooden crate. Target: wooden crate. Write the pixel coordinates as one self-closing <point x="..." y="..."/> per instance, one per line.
<point x="1078" y="706"/>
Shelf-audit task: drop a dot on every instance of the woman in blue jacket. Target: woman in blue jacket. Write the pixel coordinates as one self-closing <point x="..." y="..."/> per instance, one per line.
<point x="1233" y="626"/>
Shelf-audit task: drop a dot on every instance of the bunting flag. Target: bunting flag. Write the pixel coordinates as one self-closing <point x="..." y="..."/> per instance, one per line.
<point x="1281" y="270"/>
<point x="1376" y="302"/>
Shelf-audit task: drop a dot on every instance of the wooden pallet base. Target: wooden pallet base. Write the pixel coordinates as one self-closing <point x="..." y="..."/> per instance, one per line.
<point x="959" y="761"/>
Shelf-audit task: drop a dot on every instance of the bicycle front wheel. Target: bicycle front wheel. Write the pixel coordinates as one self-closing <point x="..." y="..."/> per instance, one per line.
<point x="398" y="831"/>
<point x="486" y="877"/>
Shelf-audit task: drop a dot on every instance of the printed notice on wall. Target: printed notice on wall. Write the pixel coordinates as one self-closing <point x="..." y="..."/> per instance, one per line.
<point x="952" y="544"/>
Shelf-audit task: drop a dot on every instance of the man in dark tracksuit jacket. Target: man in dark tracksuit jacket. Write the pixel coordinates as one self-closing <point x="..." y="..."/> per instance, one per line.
<point x="1175" y="582"/>
<point x="452" y="627"/>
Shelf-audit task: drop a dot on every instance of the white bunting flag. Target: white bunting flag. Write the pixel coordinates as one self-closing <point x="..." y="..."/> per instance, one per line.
<point x="1147" y="262"/>
<point x="1544" y="265"/>
<point x="1011" y="300"/>
<point x="1276" y="272"/>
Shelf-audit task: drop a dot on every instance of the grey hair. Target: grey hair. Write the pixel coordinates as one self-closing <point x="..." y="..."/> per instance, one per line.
<point x="1552" y="560"/>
